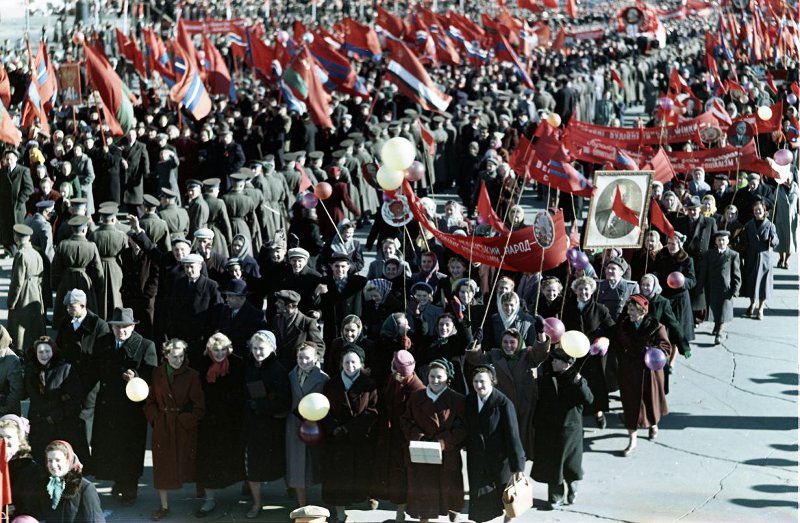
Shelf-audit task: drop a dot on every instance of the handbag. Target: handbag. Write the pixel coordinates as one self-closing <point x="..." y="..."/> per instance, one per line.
<point x="518" y="497"/>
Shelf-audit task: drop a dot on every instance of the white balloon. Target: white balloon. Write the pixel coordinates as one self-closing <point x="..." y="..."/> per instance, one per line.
<point x="398" y="153"/>
<point x="389" y="180"/>
<point x="137" y="389"/>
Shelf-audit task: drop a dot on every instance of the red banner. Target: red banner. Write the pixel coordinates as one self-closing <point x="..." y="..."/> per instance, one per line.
<point x="632" y="137"/>
<point x="522" y="254"/>
<point x="213" y="26"/>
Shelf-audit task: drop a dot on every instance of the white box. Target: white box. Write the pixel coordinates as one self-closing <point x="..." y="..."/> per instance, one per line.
<point x="427" y="452"/>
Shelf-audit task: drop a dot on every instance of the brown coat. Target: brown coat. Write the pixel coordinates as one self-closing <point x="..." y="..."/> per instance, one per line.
<point x="641" y="389"/>
<point x="174" y="408"/>
<point x="435" y="489"/>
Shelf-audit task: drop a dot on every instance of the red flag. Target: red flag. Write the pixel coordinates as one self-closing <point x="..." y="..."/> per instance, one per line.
<point x="657" y="218"/>
<point x="486" y="211"/>
<point x="617" y="78"/>
<point x="559" y="41"/>
<point x="340" y="71"/>
<point x="33" y="108"/>
<point x="262" y="56"/>
<point x="129" y="50"/>
<point x="427" y="138"/>
<point x="361" y="40"/>
<point x="676" y="82"/>
<point x="572" y="9"/>
<point x="549" y="163"/>
<point x="5" y="86"/>
<point x="503" y="51"/>
<point x="392" y="24"/>
<point x="662" y="167"/>
<point x="45" y="75"/>
<point x="623" y="212"/>
<point x="406" y="71"/>
<point x="184" y="40"/>
<point x="5" y="477"/>
<point x="305" y="181"/>
<point x="8" y="131"/>
<point x="530" y="5"/>
<point x="117" y="104"/>
<point x="771" y="83"/>
<point x="550" y="4"/>
<point x="219" y="78"/>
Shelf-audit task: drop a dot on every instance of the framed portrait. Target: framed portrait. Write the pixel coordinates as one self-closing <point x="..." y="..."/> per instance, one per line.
<point x="544" y="231"/>
<point x="618" y="210"/>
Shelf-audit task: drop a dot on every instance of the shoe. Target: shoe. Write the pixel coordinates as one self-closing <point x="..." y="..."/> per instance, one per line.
<point x="628" y="450"/>
<point x="116" y="490"/>
<point x="601" y="421"/>
<point x="373" y="504"/>
<point x="717" y="339"/>
<point x="159" y="514"/>
<point x="760" y="315"/>
<point x="572" y="490"/>
<point x="748" y="313"/>
<point x="127" y="499"/>
<point x="208" y="507"/>
<point x="452" y="516"/>
<point x="253" y="512"/>
<point x="652" y="433"/>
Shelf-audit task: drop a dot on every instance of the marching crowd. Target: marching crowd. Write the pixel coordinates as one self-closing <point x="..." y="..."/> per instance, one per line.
<point x="193" y="255"/>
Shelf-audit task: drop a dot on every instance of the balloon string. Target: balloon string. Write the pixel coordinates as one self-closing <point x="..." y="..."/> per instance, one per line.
<point x="332" y="223"/>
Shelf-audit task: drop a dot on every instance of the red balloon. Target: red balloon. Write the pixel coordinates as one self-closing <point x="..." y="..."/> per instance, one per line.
<point x="554" y="328"/>
<point x="415" y="172"/>
<point x="323" y="190"/>
<point x="310" y="433"/>
<point x="676" y="280"/>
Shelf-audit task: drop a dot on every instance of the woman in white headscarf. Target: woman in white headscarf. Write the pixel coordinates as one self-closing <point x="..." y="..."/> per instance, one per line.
<point x="342" y="243"/>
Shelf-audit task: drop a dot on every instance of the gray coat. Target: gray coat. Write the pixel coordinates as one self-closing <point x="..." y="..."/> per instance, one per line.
<point x="758" y="268"/>
<point x="786" y="218"/>
<point x="615" y="298"/>
<point x="16" y="187"/>
<point x="302" y="462"/>
<point x="25" y="306"/>
<point x="84" y="169"/>
<point x="721" y="277"/>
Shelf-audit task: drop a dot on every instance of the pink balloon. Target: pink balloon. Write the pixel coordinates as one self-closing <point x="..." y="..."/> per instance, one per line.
<point x="554" y="328"/>
<point x="309" y="200"/>
<point x="783" y="157"/>
<point x="24" y="519"/>
<point x="310" y="433"/>
<point x="665" y="103"/>
<point x="676" y="280"/>
<point x="654" y="358"/>
<point x="415" y="172"/>
<point x="791" y="98"/>
<point x="599" y="347"/>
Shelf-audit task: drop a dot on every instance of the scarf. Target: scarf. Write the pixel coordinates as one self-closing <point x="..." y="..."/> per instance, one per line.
<point x="55" y="487"/>
<point x="218" y="369"/>
<point x="337" y="245"/>
<point x="433" y="395"/>
<point x="383" y="286"/>
<point x="348" y="381"/>
<point x="508" y="320"/>
<point x="582" y="305"/>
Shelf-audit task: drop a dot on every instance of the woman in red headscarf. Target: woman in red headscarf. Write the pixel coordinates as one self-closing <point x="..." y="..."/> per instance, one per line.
<point x="72" y="497"/>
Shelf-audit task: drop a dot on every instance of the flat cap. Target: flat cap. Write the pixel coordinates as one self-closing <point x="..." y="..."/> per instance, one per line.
<point x="693" y="202"/>
<point x="204" y="234"/>
<point x="180" y="239"/>
<point x="288" y="296"/>
<point x="298" y="252"/>
<point x="720" y="234"/>
<point x="22" y="230"/>
<point x="310" y="511"/>
<point x="338" y="257"/>
<point x="75" y="296"/>
<point x="192" y="258"/>
<point x="233" y="262"/>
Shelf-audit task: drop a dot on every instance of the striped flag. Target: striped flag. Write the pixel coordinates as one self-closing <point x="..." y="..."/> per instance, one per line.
<point x="8" y="131"/>
<point x="504" y="52"/>
<point x="624" y="162"/>
<point x="190" y="91"/>
<point x="717" y="108"/>
<point x="406" y="71"/>
<point x="33" y="108"/>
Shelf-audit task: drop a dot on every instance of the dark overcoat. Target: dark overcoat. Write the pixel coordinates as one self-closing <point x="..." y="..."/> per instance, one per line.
<point x="335" y="305"/>
<point x="80" y="506"/>
<point x="16" y="186"/>
<point x="76" y="265"/>
<point x="679" y="299"/>
<point x="721" y="276"/>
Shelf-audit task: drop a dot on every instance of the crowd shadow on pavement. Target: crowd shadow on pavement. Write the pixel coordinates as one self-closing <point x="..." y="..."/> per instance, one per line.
<point x="682" y="420"/>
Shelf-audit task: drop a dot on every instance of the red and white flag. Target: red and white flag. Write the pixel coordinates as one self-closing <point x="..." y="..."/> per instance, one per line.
<point x="405" y="70"/>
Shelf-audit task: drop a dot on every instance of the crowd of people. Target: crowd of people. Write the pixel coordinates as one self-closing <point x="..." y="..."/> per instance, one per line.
<point x="187" y="254"/>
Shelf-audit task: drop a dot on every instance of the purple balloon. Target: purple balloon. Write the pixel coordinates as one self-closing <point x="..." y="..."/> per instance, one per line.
<point x="654" y="358"/>
<point x="554" y="328"/>
<point x="573" y="254"/>
<point x="791" y="98"/>
<point x="665" y="103"/>
<point x="783" y="157"/>
<point x="581" y="262"/>
<point x="310" y="433"/>
<point x="309" y="200"/>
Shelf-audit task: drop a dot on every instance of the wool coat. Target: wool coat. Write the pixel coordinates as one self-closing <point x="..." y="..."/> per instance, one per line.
<point x="494" y="452"/>
<point x="78" y="346"/>
<point x="76" y="265"/>
<point x="267" y="402"/>
<point x="79" y="506"/>
<point x="390" y="478"/>
<point x="189" y="312"/>
<point x="176" y="218"/>
<point x="433" y="490"/>
<point x="348" y="455"/>
<point x="238" y="328"/>
<point x="25" y="302"/>
<point x="516" y="380"/>
<point x="698" y="240"/>
<point x="761" y="238"/>
<point x="133" y="175"/>
<point x="641" y="389"/>
<point x="111" y="242"/>
<point x="452" y="348"/>
<point x="119" y="432"/>
<point x="786" y="217"/>
<point x="335" y="205"/>
<point x="303" y="462"/>
<point x="219" y="222"/>
<point x="374" y="357"/>
<point x="220" y="454"/>
<point x="559" y="426"/>
<point x="12" y="385"/>
<point x="721" y="276"/>
<point x="28" y="486"/>
<point x="292" y="333"/>
<point x="16" y="186"/>
<point x="679" y="299"/>
<point x="335" y="305"/>
<point x="174" y="408"/>
<point x="42" y="241"/>
<point x="197" y="210"/>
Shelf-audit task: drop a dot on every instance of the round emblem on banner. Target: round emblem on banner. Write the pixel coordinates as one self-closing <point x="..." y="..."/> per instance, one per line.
<point x="710" y="134"/>
<point x="544" y="231"/>
<point x="396" y="212"/>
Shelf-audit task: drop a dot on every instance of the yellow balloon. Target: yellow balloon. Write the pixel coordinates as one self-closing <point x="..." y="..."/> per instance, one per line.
<point x="137" y="390"/>
<point x="575" y="343"/>
<point x="553" y="119"/>
<point x="389" y="180"/>
<point x="314" y="406"/>
<point x="398" y="153"/>
<point x="764" y="112"/>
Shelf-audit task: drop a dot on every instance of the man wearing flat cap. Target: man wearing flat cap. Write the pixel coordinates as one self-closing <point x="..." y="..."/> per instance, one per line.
<point x="42" y="241"/>
<point x="25" y="306"/>
<point x="301" y="278"/>
<point x="237" y="318"/>
<point x="79" y="333"/>
<point x="196" y="206"/>
<point x="119" y="431"/>
<point x="339" y="294"/>
<point x="176" y="217"/>
<point x="111" y="242"/>
<point x="310" y="514"/>
<point x="614" y="290"/>
<point x="218" y="220"/>
<point x="189" y="308"/>
<point x="16" y="186"/>
<point x="293" y="329"/>
<point x="699" y="231"/>
<point x="76" y="265"/>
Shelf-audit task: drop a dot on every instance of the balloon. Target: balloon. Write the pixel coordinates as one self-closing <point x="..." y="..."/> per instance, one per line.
<point x="665" y="103"/>
<point x="675" y="280"/>
<point x="309" y="200"/>
<point x="654" y="358"/>
<point x="398" y="153"/>
<point x="283" y="36"/>
<point x="390" y="180"/>
<point x="314" y="406"/>
<point x="599" y="347"/>
<point x="25" y="519"/>
<point x="783" y="157"/>
<point x="575" y="343"/>
<point x="791" y="98"/>
<point x="310" y="433"/>
<point x="137" y="389"/>
<point x="308" y="38"/>
<point x="554" y="329"/>
<point x="573" y="254"/>
<point x="323" y="190"/>
<point x="581" y="262"/>
<point x="553" y="119"/>
<point x="415" y="172"/>
<point x="78" y="38"/>
<point x="764" y="112"/>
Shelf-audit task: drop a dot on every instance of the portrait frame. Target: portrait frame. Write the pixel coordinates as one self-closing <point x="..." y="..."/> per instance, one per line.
<point x="603" y="228"/>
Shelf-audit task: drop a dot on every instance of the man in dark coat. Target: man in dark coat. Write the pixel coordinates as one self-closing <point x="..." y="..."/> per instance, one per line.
<point x="301" y="278"/>
<point x="136" y="167"/>
<point x="237" y="318"/>
<point x="293" y="329"/>
<point x="721" y="277"/>
<point x="699" y="231"/>
<point x="339" y="294"/>
<point x="106" y="160"/>
<point x="120" y="430"/>
<point x="16" y="186"/>
<point x="79" y="333"/>
<point x="196" y="206"/>
<point x="189" y="306"/>
<point x="755" y="190"/>
<point x="231" y="158"/>
<point x="566" y="100"/>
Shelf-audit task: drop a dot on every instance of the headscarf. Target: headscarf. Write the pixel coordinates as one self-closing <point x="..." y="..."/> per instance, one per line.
<point x="456" y="219"/>
<point x="510" y="319"/>
<point x="434" y="270"/>
<point x="337" y="245"/>
<point x="656" y="286"/>
<point x="245" y="248"/>
<point x="472" y="284"/>
<point x="55" y="487"/>
<point x="218" y="369"/>
<point x="713" y="209"/>
<point x="403" y="362"/>
<point x="23" y="423"/>
<point x="381" y="285"/>
<point x="390" y="329"/>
